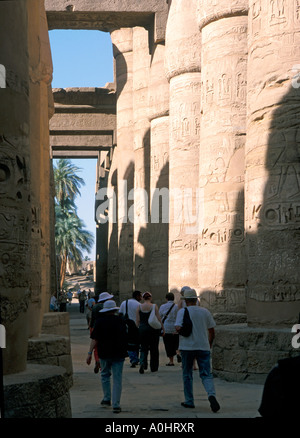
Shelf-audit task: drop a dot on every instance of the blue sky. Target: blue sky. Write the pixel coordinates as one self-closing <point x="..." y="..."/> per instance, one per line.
<point x="82" y="59"/>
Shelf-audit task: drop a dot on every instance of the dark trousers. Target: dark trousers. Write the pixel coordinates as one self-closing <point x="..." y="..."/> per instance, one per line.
<point x="149" y="340"/>
<point x="171" y="342"/>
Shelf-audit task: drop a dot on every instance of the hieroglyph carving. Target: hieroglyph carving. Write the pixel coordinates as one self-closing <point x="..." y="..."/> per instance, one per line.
<point x="14" y="220"/>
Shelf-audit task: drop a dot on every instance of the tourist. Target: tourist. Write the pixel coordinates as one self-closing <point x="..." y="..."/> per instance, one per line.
<point x="81" y="298"/>
<point x="196" y="346"/>
<point x="70" y="296"/>
<point x="110" y="338"/>
<point x="129" y="306"/>
<point x="89" y="305"/>
<point x="53" y="303"/>
<point x="62" y="301"/>
<point x="168" y="313"/>
<point x="182" y="304"/>
<point x="103" y="297"/>
<point x="149" y="337"/>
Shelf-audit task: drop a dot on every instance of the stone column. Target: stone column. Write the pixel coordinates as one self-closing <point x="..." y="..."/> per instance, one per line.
<point x="40" y="68"/>
<point x="15" y="210"/>
<point x="182" y="63"/>
<point x="122" y="48"/>
<point x="221" y="267"/>
<point x="272" y="164"/>
<point x="112" y="242"/>
<point x="141" y="141"/>
<point x="158" y="110"/>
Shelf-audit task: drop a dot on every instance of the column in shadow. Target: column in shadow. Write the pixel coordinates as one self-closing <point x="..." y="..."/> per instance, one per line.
<point x="272" y="196"/>
<point x="222" y="147"/>
<point x="122" y="40"/>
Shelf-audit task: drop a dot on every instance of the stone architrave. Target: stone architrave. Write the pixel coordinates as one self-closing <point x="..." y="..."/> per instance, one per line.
<point x="272" y="164"/>
<point x="141" y="142"/>
<point x="221" y="265"/>
<point x="15" y="210"/>
<point x="158" y="110"/>
<point x="182" y="66"/>
<point x="122" y="40"/>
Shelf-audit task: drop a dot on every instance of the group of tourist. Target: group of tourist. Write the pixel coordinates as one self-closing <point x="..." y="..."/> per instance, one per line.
<point x="109" y="341"/>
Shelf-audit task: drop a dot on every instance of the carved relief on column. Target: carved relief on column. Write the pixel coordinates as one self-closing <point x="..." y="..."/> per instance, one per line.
<point x="142" y="238"/>
<point x="15" y="225"/>
<point x="15" y="212"/>
<point x="122" y="48"/>
<point x="40" y="73"/>
<point x="182" y="65"/>
<point x="158" y="112"/>
<point x="223" y="134"/>
<point x="272" y="164"/>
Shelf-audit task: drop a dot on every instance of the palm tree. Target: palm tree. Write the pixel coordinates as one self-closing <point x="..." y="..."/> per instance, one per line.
<point x="70" y="236"/>
<point x="71" y="239"/>
<point x="67" y="182"/>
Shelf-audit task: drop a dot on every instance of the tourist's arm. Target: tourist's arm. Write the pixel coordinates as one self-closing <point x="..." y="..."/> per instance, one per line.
<point x="211" y="336"/>
<point x="137" y="316"/>
<point x="92" y="346"/>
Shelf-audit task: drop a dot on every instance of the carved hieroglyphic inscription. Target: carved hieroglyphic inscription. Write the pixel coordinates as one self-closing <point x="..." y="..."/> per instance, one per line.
<point x="14" y="217"/>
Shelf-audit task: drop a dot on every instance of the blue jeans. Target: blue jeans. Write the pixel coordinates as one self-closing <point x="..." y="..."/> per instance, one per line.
<point x="112" y="367"/>
<point x="203" y="360"/>
<point x="133" y="356"/>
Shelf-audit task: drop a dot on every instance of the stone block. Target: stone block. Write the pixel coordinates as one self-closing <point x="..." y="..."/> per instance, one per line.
<point x="38" y="392"/>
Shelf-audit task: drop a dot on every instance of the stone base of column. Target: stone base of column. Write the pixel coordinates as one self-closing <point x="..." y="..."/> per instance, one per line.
<point x="41" y="391"/>
<point x="245" y="354"/>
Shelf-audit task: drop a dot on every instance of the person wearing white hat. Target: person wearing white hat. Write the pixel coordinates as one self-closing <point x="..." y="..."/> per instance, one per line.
<point x="196" y="346"/>
<point x="110" y="338"/>
<point x="104" y="296"/>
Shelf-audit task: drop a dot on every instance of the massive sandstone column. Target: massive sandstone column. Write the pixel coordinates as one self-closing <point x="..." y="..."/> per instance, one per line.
<point x="182" y="64"/>
<point x="272" y="164"/>
<point x="221" y="264"/>
<point x="141" y="142"/>
<point x="122" y="49"/>
<point x="15" y="209"/>
<point x="40" y="68"/>
<point x="158" y="112"/>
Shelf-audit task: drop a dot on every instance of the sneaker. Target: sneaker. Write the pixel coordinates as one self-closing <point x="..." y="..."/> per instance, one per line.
<point x="116" y="410"/>
<point x="186" y="405"/>
<point x="105" y="402"/>
<point x="213" y="403"/>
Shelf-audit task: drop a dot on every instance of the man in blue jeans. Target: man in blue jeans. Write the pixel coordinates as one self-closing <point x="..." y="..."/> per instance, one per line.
<point x="110" y="338"/>
<point x="196" y="346"/>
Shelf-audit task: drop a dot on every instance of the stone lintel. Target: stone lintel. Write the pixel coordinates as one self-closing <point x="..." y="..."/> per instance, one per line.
<point x="85" y="98"/>
<point x="107" y="15"/>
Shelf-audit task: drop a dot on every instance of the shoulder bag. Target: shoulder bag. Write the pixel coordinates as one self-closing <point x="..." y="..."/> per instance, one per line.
<point x="153" y="321"/>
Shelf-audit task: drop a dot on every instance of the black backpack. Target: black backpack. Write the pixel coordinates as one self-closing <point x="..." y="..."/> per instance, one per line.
<point x="187" y="325"/>
<point x="132" y="332"/>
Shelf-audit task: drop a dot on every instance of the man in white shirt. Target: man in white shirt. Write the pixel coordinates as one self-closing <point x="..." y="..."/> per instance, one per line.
<point x="131" y="305"/>
<point x="196" y="346"/>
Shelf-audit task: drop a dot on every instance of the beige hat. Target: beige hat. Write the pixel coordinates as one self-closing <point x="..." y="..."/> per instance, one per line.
<point x="104" y="296"/>
<point x="189" y="294"/>
<point x="109" y="305"/>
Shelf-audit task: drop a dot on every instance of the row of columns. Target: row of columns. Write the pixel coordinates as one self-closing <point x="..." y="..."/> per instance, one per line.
<point x="216" y="132"/>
